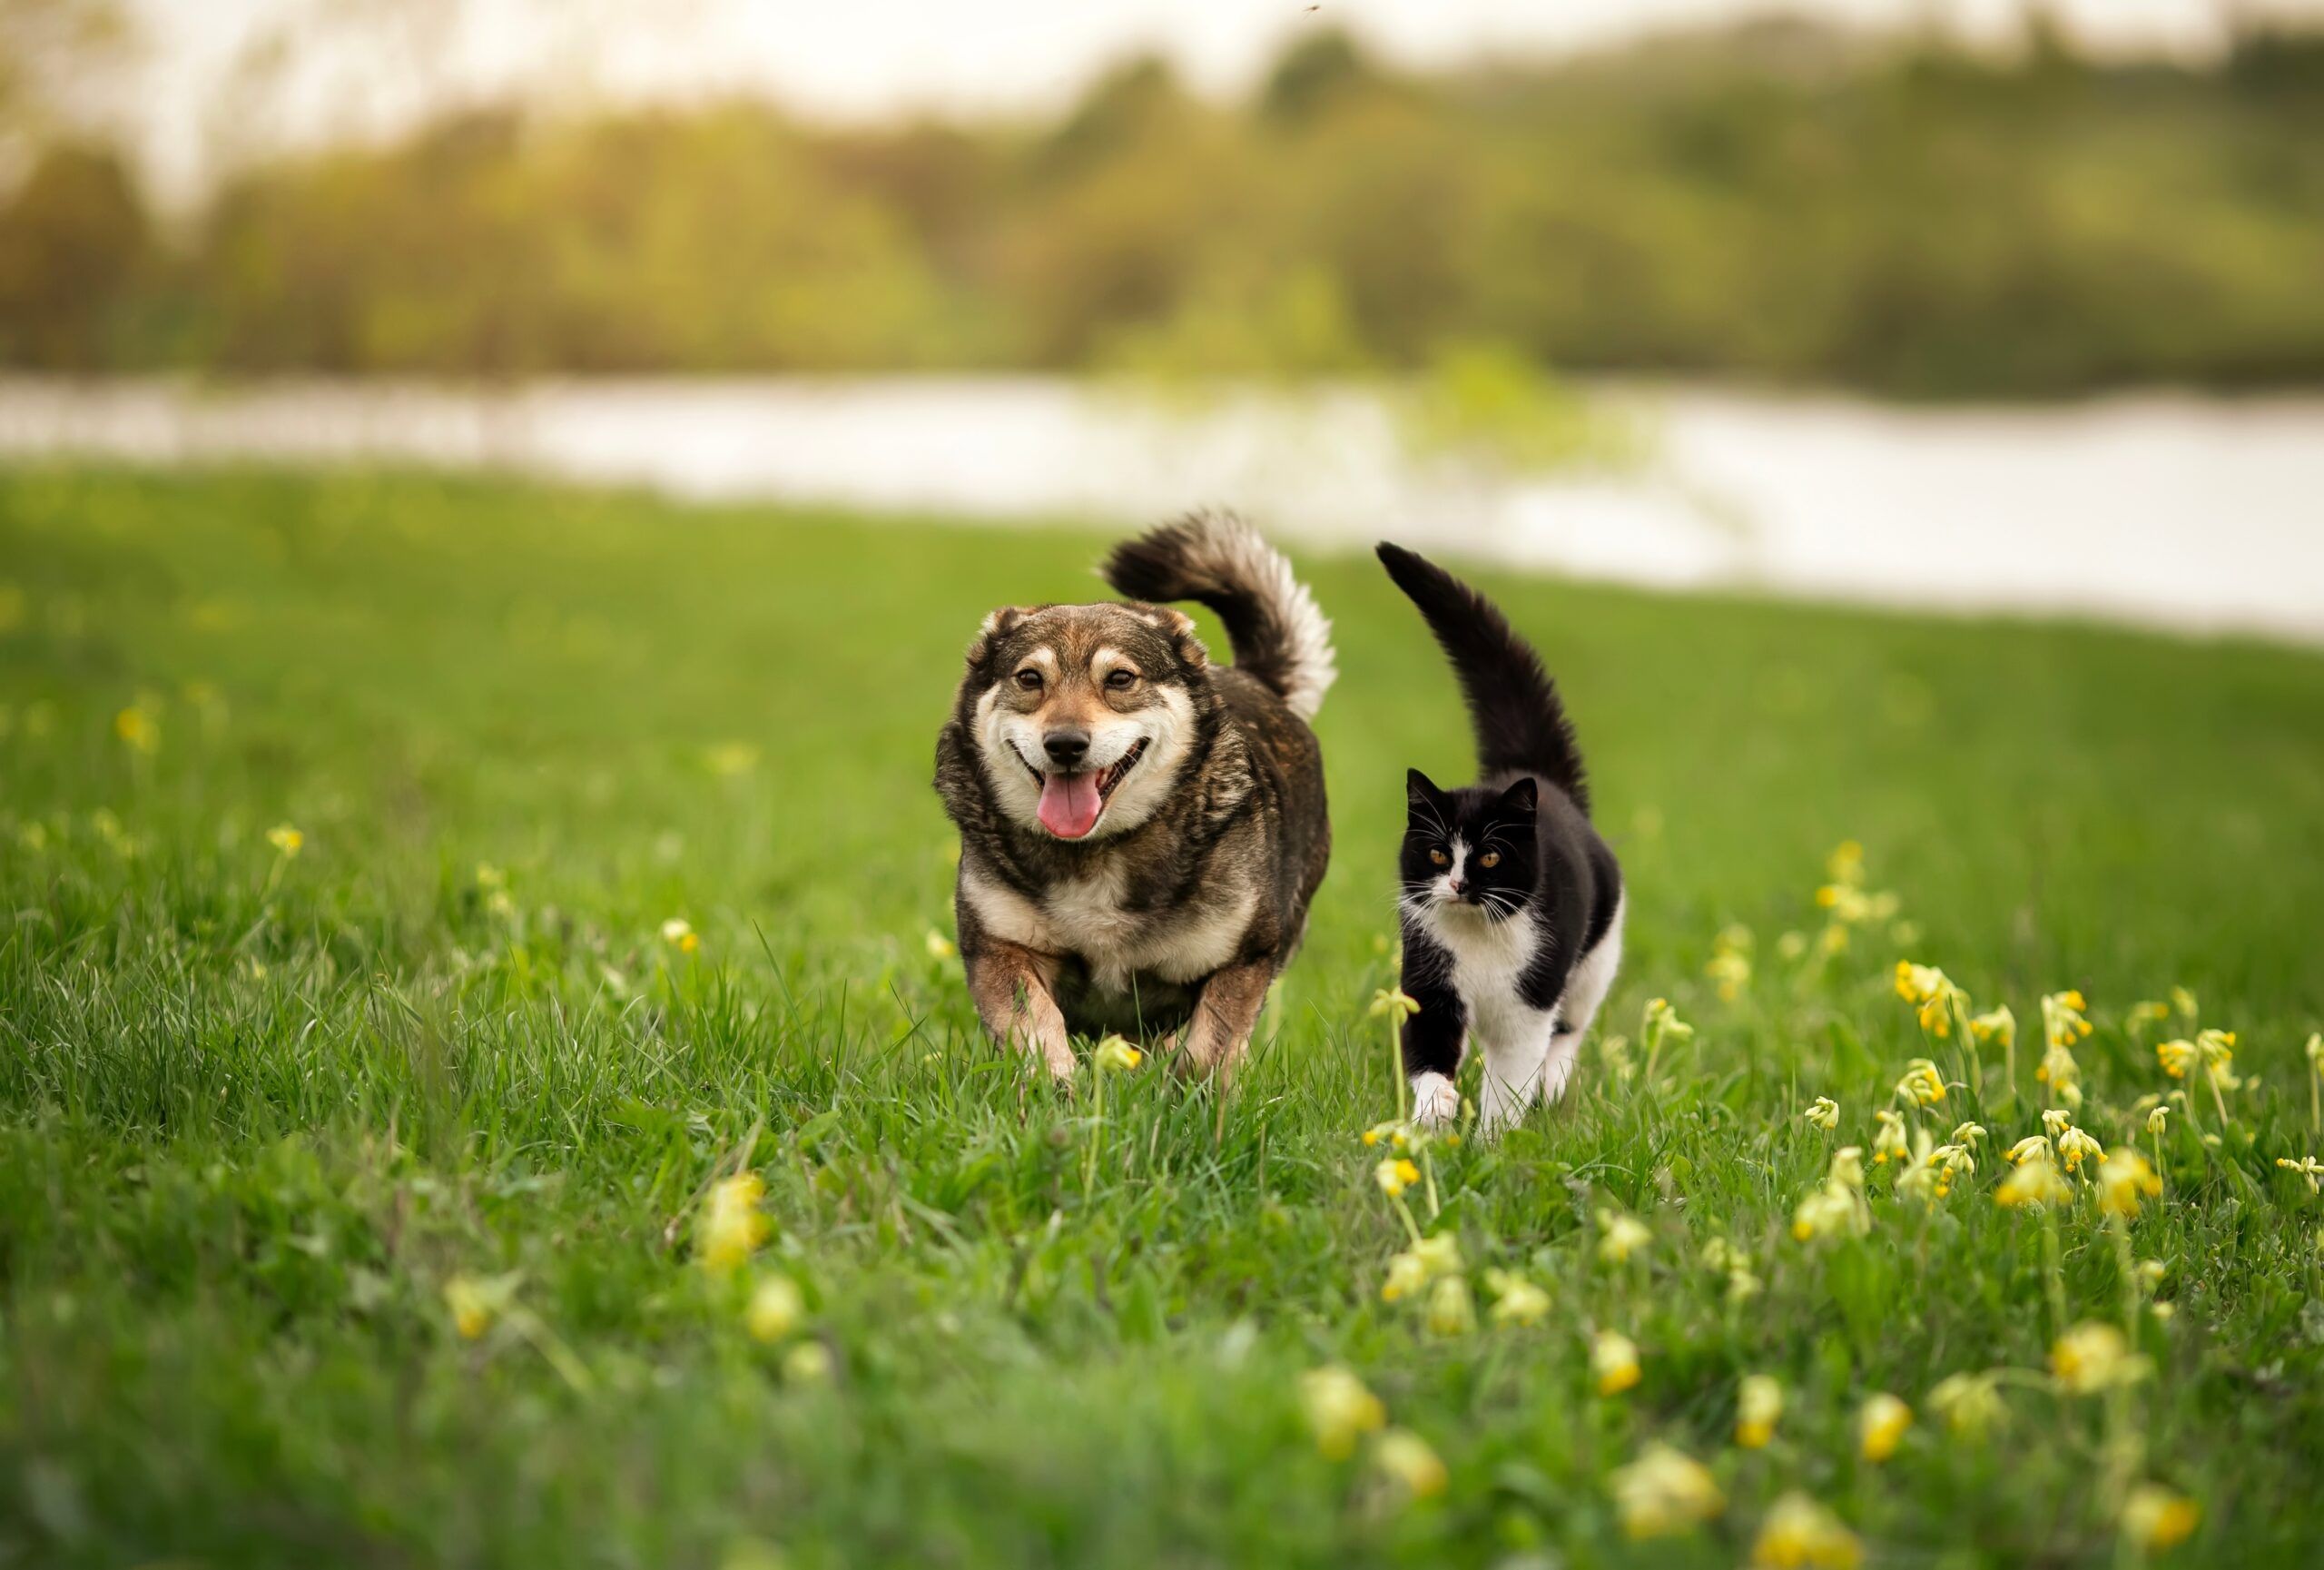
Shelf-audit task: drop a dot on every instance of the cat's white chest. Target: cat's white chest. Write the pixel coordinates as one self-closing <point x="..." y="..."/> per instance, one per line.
<point x="1489" y="961"/>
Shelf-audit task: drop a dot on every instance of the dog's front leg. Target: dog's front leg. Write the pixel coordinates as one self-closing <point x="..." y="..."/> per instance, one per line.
<point x="1224" y="1016"/>
<point x="1010" y="984"/>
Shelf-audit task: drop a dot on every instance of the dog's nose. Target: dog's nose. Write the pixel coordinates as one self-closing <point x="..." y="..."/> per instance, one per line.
<point x="1067" y="748"/>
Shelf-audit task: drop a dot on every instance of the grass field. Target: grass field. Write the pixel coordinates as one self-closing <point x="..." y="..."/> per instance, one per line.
<point x="259" y="1109"/>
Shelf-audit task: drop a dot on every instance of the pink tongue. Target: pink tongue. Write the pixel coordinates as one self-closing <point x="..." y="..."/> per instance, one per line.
<point x="1069" y="803"/>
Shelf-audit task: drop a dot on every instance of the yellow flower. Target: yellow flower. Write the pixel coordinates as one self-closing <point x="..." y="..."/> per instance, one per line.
<point x="1996" y="1025"/>
<point x="2146" y="1012"/>
<point x="1516" y="1301"/>
<point x="1389" y="1004"/>
<point x="2155" y="1120"/>
<point x="2307" y="1166"/>
<point x="1424" y="1262"/>
<point x="1922" y="1085"/>
<point x="1838" y="1208"/>
<point x="2184" y="1002"/>
<point x="1340" y="1409"/>
<point x="475" y="1304"/>
<point x="2156" y="1518"/>
<point x="139" y="728"/>
<point x="1757" y="1407"/>
<point x="2075" y="1147"/>
<point x="2124" y="1178"/>
<point x="1621" y="1236"/>
<point x="808" y="1363"/>
<point x="1115" y="1055"/>
<point x="731" y="1227"/>
<point x="1846" y="864"/>
<point x="1664" y="1491"/>
<point x="2094" y="1356"/>
<point x="1888" y="1141"/>
<point x="776" y="1308"/>
<point x="679" y="933"/>
<point x="2061" y="1073"/>
<point x="1613" y="1361"/>
<point x="1847" y="1167"/>
<point x="287" y="840"/>
<point x="1798" y="1534"/>
<point x="1880" y="1424"/>
<point x="1967" y="1135"/>
<point x="2032" y="1147"/>
<point x="1452" y="1311"/>
<point x="940" y="947"/>
<point x="1394" y="1175"/>
<point x="2176" y="1057"/>
<point x="1440" y="1255"/>
<point x="1824" y="1114"/>
<point x="1917" y="983"/>
<point x="1969" y="1403"/>
<point x="2218" y="1048"/>
<point x="1405" y="1457"/>
<point x="1407" y="1275"/>
<point x="2035" y="1182"/>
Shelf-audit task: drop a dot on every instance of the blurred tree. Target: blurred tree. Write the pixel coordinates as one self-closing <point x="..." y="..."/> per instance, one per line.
<point x="73" y="239"/>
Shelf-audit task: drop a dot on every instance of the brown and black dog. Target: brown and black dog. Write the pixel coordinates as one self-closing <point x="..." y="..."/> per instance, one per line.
<point x="1141" y="831"/>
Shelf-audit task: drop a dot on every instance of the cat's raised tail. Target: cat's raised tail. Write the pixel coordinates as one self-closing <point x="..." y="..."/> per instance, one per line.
<point x="1521" y="727"/>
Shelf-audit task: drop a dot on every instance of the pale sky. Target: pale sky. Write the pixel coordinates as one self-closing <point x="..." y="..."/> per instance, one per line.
<point x="224" y="77"/>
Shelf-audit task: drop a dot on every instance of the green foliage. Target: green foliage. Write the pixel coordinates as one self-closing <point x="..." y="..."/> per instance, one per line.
<point x="258" y="1111"/>
<point x="1777" y="203"/>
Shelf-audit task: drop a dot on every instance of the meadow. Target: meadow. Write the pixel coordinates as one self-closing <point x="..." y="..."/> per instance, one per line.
<point x="482" y="1082"/>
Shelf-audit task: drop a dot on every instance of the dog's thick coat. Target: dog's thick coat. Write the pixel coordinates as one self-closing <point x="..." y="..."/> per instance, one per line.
<point x="1141" y="831"/>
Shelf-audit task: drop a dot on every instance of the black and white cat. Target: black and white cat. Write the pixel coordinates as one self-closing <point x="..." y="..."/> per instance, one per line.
<point x="1511" y="909"/>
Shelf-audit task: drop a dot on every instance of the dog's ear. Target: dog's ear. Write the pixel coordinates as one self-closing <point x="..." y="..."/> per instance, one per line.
<point x="1181" y="629"/>
<point x="996" y="626"/>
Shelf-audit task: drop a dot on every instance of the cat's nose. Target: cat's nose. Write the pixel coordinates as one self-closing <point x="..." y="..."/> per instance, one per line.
<point x="1456" y="885"/>
<point x="1067" y="748"/>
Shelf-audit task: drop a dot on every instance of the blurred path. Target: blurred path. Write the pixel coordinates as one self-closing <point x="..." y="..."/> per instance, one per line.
<point x="2185" y="512"/>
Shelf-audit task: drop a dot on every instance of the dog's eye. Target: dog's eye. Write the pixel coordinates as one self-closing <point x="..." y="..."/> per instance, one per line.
<point x="1440" y="858"/>
<point x="1490" y="859"/>
<point x="1029" y="679"/>
<point x="1122" y="680"/>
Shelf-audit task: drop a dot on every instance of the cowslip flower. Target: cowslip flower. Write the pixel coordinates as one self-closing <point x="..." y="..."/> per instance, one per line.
<point x="1994" y="1025"/>
<point x="2218" y="1048"/>
<point x="1427" y="1260"/>
<point x="1922" y="1085"/>
<point x="1798" y="1534"/>
<point x="2307" y="1166"/>
<point x="2075" y="1147"/>
<point x="679" y="934"/>
<point x="1340" y="1410"/>
<point x="2124" y="1179"/>
<point x="1888" y="1141"/>
<point x="1969" y="1405"/>
<point x="731" y="1228"/>
<point x="286" y="840"/>
<point x="139" y="728"/>
<point x="2034" y="1182"/>
<point x="2184" y="1002"/>
<point x="1933" y="996"/>
<point x="1664" y="1491"/>
<point x="808" y="1363"/>
<point x="1407" y="1275"/>
<point x="1516" y="1301"/>
<point x="1613" y="1362"/>
<point x="1880" y="1424"/>
<point x="1452" y="1311"/>
<point x="1838" y="1208"/>
<point x="1397" y="1135"/>
<point x="2176" y="1057"/>
<point x="1115" y="1055"/>
<point x="1620" y="1236"/>
<point x="1394" y="1175"/>
<point x="2094" y="1356"/>
<point x="1824" y="1114"/>
<point x="2156" y="1518"/>
<point x="2032" y="1147"/>
<point x="1405" y="1458"/>
<point x="1389" y="1004"/>
<point x="475" y="1304"/>
<point x="1731" y="962"/>
<point x="1757" y="1405"/>
<point x="940" y="947"/>
<point x="774" y="1309"/>
<point x="2156" y="1119"/>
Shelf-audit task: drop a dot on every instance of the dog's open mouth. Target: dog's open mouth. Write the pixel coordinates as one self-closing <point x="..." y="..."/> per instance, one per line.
<point x="1071" y="804"/>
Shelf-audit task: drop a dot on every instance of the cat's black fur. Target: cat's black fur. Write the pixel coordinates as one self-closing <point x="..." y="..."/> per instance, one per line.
<point x="1520" y="952"/>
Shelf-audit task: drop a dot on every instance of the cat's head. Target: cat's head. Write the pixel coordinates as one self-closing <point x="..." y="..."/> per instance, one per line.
<point x="1471" y="850"/>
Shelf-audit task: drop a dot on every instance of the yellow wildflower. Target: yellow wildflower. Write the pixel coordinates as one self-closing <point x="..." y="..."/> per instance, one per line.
<point x="2184" y="1002"/>
<point x="1922" y="1085"/>
<point x="2075" y="1147"/>
<point x="2148" y="1011"/>
<point x="679" y="934"/>
<point x="1389" y="1004"/>
<point x="1407" y="1275"/>
<point x="1880" y="1424"/>
<point x="1405" y="1457"/>
<point x="1440" y="1255"/>
<point x="1394" y="1175"/>
<point x="1968" y="1134"/>
<point x="1621" y="1236"/>
<point x="288" y="841"/>
<point x="2307" y="1166"/>
<point x="731" y="1227"/>
<point x="139" y="728"/>
<point x="2035" y="1182"/>
<point x="1340" y="1409"/>
<point x="2124" y="1179"/>
<point x="1452" y="1311"/>
<point x="2094" y="1356"/>
<point x="1888" y="1141"/>
<point x="1847" y="1167"/>
<point x="1757" y="1405"/>
<point x="1996" y="1025"/>
<point x="2176" y="1057"/>
<point x="1846" y="864"/>
<point x="1516" y="1301"/>
<point x="1115" y="1055"/>
<point x="1933" y="993"/>
<point x="2032" y="1147"/>
<point x="1664" y="1491"/>
<point x="2156" y="1119"/>
<point x="2218" y="1048"/>
<point x="1824" y="1114"/>
<point x="940" y="947"/>
<point x="1838" y="1208"/>
<point x="775" y="1309"/>
<point x="1969" y="1403"/>
<point x="2155" y="1518"/>
<point x="1798" y="1534"/>
<point x="475" y="1304"/>
<point x="1613" y="1361"/>
<point x="1424" y="1262"/>
<point x="808" y="1363"/>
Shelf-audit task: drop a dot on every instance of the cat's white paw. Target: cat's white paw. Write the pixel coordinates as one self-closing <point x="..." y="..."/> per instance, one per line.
<point x="1436" y="1103"/>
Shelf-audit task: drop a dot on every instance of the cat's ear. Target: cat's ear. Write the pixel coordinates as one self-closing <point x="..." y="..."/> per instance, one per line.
<point x="1420" y="791"/>
<point x="1523" y="799"/>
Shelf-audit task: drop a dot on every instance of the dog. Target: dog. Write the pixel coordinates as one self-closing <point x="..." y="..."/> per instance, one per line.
<point x="1141" y="830"/>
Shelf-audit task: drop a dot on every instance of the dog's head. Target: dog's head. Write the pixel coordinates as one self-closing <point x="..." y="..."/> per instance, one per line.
<point x="1084" y="715"/>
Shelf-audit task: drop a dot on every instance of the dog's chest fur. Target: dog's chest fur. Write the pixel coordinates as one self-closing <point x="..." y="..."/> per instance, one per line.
<point x="1090" y="918"/>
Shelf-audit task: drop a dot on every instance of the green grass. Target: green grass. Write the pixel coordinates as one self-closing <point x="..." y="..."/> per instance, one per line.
<point x="256" y="1111"/>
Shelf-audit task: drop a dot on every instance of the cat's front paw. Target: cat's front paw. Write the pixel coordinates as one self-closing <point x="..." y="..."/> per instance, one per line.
<point x="1436" y="1103"/>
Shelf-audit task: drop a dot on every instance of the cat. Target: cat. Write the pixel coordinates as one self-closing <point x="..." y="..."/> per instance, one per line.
<point x="1512" y="905"/>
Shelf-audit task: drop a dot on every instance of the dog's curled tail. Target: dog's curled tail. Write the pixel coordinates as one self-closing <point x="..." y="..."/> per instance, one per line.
<point x="1217" y="560"/>
<point x="1521" y="727"/>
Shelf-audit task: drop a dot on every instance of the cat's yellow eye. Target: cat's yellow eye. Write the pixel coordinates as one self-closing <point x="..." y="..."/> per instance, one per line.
<point x="1490" y="859"/>
<point x="1440" y="858"/>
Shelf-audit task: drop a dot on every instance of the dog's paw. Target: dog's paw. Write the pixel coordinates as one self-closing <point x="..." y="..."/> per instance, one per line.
<point x="1436" y="1103"/>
